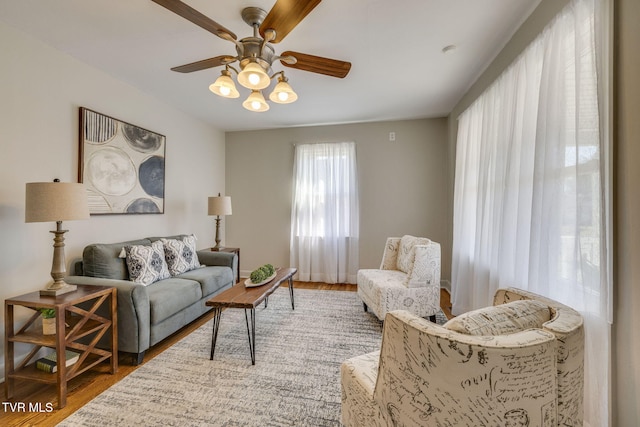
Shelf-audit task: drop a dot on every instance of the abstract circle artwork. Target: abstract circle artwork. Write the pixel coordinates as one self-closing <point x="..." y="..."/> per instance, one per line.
<point x="122" y="165"/>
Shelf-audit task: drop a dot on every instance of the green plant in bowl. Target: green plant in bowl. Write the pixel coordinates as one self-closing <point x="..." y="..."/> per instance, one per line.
<point x="258" y="275"/>
<point x="269" y="269"/>
<point x="262" y="273"/>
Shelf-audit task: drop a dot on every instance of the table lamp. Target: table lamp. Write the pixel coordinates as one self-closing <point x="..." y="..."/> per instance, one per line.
<point x="220" y="205"/>
<point x="56" y="201"/>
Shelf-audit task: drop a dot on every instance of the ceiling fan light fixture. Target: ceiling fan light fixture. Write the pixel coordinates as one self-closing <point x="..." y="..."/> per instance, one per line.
<point x="254" y="77"/>
<point x="256" y="102"/>
<point x="224" y="86"/>
<point x="283" y="93"/>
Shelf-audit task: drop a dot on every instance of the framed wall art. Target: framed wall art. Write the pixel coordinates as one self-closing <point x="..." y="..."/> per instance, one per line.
<point x="122" y="166"/>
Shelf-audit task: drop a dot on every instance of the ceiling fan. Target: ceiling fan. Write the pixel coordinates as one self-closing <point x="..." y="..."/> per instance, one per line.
<point x="255" y="54"/>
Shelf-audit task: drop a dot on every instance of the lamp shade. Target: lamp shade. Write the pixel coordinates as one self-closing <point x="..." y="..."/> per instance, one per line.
<point x="283" y="93"/>
<point x="256" y="102"/>
<point x="220" y="205"/>
<point x="55" y="201"/>
<point x="253" y="77"/>
<point x="224" y="86"/>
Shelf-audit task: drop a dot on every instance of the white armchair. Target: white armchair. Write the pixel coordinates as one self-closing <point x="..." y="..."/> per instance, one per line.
<point x="408" y="278"/>
<point x="517" y="363"/>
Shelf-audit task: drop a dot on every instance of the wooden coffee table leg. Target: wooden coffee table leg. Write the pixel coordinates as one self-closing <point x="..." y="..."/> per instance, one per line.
<point x="251" y="332"/>
<point x="291" y="292"/>
<point x="217" y="312"/>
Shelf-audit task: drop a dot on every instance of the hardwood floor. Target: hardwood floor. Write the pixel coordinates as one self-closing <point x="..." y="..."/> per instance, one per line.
<point x="90" y="384"/>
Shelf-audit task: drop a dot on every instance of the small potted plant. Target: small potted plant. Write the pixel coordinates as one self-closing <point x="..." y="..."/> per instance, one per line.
<point x="48" y="320"/>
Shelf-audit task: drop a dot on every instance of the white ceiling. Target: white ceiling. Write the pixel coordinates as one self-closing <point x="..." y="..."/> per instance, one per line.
<point x="399" y="70"/>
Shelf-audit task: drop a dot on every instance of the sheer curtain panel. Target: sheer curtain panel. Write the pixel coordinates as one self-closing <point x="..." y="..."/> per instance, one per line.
<point x="325" y="213"/>
<point x="531" y="187"/>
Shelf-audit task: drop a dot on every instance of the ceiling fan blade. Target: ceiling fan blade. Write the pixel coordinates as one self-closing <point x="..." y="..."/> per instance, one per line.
<point x="204" y="64"/>
<point x="318" y="64"/>
<point x="190" y="14"/>
<point x="285" y="15"/>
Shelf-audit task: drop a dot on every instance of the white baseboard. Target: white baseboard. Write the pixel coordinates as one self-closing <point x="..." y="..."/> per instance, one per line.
<point x="446" y="285"/>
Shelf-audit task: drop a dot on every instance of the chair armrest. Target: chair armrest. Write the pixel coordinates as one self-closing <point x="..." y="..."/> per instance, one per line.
<point x="134" y="314"/>
<point x="425" y="271"/>
<point x="390" y="254"/>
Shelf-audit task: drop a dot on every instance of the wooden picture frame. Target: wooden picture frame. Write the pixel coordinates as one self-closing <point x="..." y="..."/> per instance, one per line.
<point x="122" y="165"/>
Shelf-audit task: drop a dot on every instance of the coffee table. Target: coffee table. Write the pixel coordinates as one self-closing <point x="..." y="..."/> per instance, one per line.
<point x="240" y="296"/>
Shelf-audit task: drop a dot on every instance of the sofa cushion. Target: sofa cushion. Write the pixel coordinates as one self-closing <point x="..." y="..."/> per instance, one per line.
<point x="406" y="254"/>
<point x="181" y="254"/>
<point x="211" y="279"/>
<point x="501" y="319"/>
<point x="102" y="259"/>
<point x="169" y="296"/>
<point x="146" y="263"/>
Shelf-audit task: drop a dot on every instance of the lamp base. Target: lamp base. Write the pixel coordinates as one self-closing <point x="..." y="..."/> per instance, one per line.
<point x="53" y="292"/>
<point x="217" y="247"/>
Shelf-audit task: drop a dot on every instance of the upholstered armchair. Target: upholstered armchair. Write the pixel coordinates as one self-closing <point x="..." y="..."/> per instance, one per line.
<point x="408" y="278"/>
<point x="519" y="363"/>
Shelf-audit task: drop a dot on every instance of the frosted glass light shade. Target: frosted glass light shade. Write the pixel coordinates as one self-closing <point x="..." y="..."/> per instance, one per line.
<point x="256" y="102"/>
<point x="224" y="86"/>
<point x="254" y="77"/>
<point x="283" y="93"/>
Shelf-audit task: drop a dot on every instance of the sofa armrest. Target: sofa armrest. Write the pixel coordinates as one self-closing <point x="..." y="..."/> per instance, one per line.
<point x="134" y="316"/>
<point x="390" y="255"/>
<point x="426" y="266"/>
<point x="215" y="258"/>
<point x="221" y="259"/>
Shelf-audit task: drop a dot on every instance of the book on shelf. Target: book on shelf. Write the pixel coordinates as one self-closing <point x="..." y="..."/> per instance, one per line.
<point x="49" y="362"/>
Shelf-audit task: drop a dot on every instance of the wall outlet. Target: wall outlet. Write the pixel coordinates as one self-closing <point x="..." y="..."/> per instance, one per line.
<point x="392" y="136"/>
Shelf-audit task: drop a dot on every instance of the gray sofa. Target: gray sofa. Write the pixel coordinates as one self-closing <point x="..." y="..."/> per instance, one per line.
<point x="148" y="314"/>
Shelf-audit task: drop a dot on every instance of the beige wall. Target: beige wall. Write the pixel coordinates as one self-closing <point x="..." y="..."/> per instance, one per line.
<point x="626" y="369"/>
<point x="402" y="186"/>
<point x="41" y="90"/>
<point x="626" y="247"/>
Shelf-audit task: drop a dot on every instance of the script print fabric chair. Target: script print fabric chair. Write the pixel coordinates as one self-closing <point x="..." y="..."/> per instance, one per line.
<point x="567" y="326"/>
<point x="408" y="278"/>
<point x="517" y="363"/>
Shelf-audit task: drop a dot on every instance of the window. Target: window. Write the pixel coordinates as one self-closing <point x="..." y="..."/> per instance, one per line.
<point x="325" y="214"/>
<point x="531" y="197"/>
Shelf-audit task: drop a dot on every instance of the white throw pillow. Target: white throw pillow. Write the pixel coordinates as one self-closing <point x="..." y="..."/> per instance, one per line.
<point x="146" y="264"/>
<point x="181" y="254"/>
<point x="406" y="254"/>
<point x="501" y="319"/>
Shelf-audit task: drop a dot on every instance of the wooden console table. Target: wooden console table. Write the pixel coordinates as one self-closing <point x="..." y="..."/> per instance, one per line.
<point x="74" y="320"/>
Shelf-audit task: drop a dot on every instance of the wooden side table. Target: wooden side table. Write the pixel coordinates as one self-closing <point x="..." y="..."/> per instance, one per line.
<point x="232" y="250"/>
<point x="73" y="322"/>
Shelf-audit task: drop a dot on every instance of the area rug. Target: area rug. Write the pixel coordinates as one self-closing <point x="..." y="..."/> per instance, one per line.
<point x="295" y="381"/>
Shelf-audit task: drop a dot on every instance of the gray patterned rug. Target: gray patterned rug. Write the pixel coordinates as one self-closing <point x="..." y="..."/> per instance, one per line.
<point x="295" y="381"/>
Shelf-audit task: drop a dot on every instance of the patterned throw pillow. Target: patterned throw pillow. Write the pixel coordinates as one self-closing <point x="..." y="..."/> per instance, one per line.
<point x="406" y="255"/>
<point x="181" y="255"/>
<point x="146" y="264"/>
<point x="501" y="319"/>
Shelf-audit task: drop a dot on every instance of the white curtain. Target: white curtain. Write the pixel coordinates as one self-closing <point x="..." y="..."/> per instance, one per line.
<point x="531" y="199"/>
<point x="325" y="213"/>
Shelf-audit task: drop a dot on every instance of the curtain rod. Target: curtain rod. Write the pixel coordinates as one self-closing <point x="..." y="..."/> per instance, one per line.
<point x="321" y="142"/>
